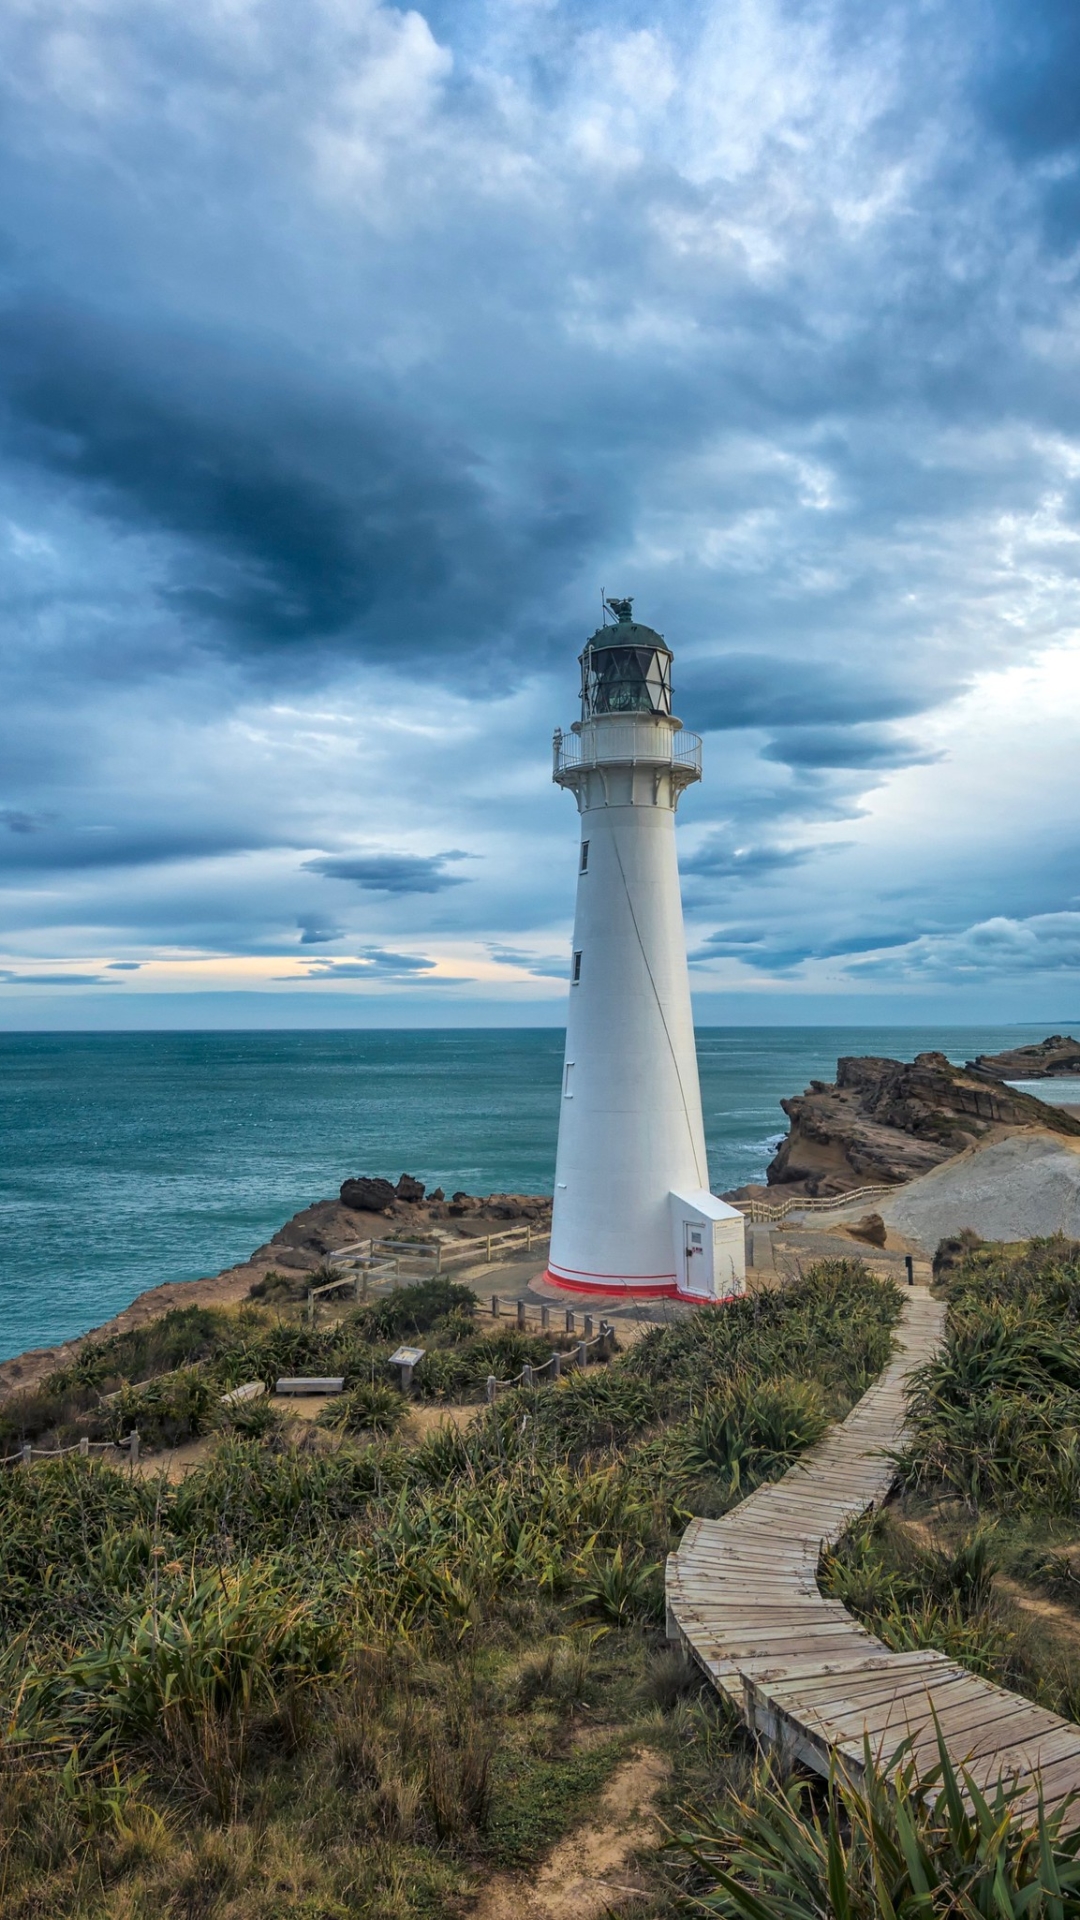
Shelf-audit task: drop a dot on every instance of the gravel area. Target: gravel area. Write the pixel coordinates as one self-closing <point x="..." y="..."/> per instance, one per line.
<point x="1016" y="1189"/>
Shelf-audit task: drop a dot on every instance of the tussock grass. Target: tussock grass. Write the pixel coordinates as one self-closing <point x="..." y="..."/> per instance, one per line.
<point x="349" y="1677"/>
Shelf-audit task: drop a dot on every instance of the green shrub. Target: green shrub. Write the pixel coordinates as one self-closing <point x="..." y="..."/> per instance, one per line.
<point x="890" y="1846"/>
<point x="414" y="1309"/>
<point x="753" y="1430"/>
<point x="369" y="1407"/>
<point x="164" y="1412"/>
<point x="996" y="1414"/>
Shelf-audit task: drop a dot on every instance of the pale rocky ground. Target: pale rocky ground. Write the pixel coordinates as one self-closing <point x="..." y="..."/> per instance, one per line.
<point x="1016" y="1189"/>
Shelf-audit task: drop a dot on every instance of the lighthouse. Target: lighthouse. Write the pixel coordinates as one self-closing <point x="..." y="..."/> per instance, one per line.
<point x="633" y="1213"/>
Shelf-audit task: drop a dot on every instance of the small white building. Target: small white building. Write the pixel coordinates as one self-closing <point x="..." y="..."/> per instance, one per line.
<point x="631" y="1180"/>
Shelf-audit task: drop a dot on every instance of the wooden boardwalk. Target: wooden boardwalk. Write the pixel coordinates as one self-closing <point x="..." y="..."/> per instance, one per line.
<point x="742" y="1595"/>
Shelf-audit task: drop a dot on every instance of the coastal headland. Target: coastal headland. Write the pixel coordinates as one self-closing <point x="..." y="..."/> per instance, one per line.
<point x="364" y="1208"/>
<point x="886" y="1122"/>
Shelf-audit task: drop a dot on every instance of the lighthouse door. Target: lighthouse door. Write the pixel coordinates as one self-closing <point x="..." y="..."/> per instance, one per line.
<point x="696" y="1276"/>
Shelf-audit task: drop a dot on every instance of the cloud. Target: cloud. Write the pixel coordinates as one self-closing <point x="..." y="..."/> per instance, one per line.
<point x="542" y="966"/>
<point x="717" y="859"/>
<point x="18" y="822"/>
<point x="737" y="690"/>
<point x="854" y="746"/>
<point x="9" y="979"/>
<point x="390" y="872"/>
<point x="314" y="933"/>
<point x="123" y="966"/>
<point x="1002" y="948"/>
<point x="376" y="964"/>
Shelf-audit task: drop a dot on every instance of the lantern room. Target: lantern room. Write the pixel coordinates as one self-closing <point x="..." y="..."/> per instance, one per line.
<point x="625" y="668"/>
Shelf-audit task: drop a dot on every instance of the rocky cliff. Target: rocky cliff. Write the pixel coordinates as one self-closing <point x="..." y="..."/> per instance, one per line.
<point x="1057" y="1057"/>
<point x="887" y="1121"/>
<point x="368" y="1205"/>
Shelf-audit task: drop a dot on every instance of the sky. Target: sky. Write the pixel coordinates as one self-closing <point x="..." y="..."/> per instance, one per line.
<point x="350" y="352"/>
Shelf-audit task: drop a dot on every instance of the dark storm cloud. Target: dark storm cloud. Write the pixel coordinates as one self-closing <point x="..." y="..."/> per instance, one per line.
<point x="62" y="847"/>
<point x="390" y="872"/>
<point x="753" y="690"/>
<point x="854" y="746"/>
<point x="305" y="514"/>
<point x="1026" y="81"/>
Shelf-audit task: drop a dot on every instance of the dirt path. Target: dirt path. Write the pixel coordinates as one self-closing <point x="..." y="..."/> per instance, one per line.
<point x="1064" y="1620"/>
<point x="589" y="1873"/>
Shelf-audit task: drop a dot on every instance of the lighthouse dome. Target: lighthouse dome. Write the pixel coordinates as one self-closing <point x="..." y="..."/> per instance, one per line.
<point x="625" y="668"/>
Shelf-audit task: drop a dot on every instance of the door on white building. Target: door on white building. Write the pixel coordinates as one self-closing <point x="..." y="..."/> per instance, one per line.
<point x="696" y="1276"/>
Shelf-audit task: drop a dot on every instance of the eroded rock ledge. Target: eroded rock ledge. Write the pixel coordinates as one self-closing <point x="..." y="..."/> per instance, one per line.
<point x="1057" y="1057"/>
<point x="882" y="1122"/>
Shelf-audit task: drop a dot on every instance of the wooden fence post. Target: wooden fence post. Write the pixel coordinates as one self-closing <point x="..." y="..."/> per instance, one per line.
<point x="526" y="1375"/>
<point x="492" y="1383"/>
<point x="521" y="1314"/>
<point x="528" y="1239"/>
<point x="27" y="1452"/>
<point x="545" y="1319"/>
<point x="588" y="1326"/>
<point x="569" y="1320"/>
<point x="84" y="1447"/>
<point x="582" y="1354"/>
<point x="311" y="1307"/>
<point x="133" y="1448"/>
<point x="494" y="1306"/>
<point x="556" y="1365"/>
<point x="489" y="1250"/>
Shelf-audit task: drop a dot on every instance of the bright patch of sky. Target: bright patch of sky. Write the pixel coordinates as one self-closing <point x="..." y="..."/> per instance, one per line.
<point x="347" y="353"/>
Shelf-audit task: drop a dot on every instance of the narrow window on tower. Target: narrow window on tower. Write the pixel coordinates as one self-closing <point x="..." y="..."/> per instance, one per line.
<point x="584" y="867"/>
<point x="576" y="975"/>
<point x="568" y="1091"/>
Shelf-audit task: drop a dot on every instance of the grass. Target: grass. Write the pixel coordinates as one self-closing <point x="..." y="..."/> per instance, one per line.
<point x="339" y="1673"/>
<point x="991" y="1479"/>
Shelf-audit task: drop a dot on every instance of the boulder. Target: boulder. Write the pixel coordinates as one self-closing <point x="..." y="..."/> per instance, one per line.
<point x="368" y="1196"/>
<point x="409" y="1189"/>
<point x="870" y="1228"/>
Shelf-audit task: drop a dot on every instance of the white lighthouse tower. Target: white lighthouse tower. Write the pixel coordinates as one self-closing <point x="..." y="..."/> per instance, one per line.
<point x="633" y="1213"/>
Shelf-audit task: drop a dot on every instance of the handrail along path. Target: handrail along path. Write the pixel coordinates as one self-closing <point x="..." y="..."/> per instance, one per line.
<point x="742" y="1596"/>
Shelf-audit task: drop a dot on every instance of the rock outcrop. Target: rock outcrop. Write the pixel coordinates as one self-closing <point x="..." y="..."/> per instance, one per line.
<point x="368" y="1196"/>
<point x="1057" y="1057"/>
<point x="883" y="1122"/>
<point x="375" y="1200"/>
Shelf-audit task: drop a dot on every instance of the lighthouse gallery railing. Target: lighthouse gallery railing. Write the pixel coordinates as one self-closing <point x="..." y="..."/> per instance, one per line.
<point x="627" y="741"/>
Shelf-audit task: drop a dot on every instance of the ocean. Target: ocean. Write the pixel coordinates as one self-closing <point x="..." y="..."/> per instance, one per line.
<point x="129" y="1159"/>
